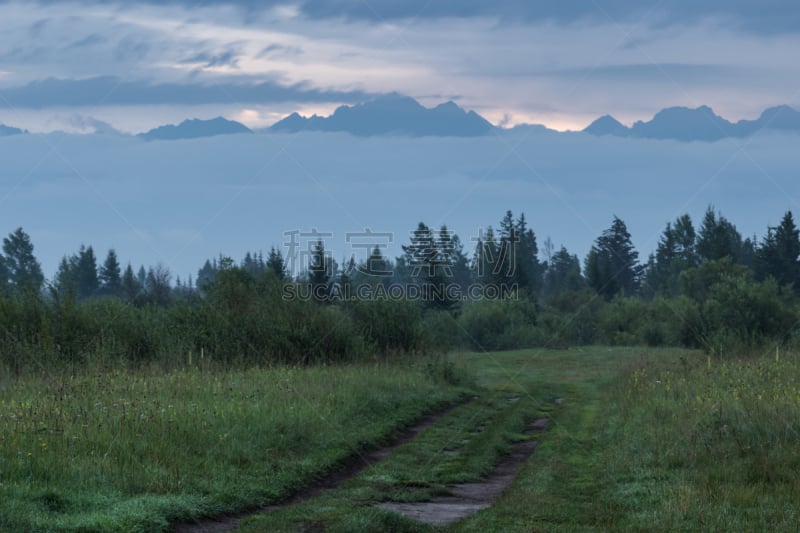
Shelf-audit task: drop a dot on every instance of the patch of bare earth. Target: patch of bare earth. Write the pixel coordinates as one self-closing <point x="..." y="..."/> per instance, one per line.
<point x="469" y="498"/>
<point x="347" y="470"/>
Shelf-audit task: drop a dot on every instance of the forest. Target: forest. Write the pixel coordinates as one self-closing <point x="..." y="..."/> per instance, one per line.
<point x="703" y="287"/>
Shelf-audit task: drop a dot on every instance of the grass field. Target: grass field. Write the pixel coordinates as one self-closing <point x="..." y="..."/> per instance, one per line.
<point x="645" y="440"/>
<point x="117" y="451"/>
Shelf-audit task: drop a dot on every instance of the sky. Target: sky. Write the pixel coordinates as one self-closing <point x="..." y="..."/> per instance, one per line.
<point x="82" y="66"/>
<point x="106" y="66"/>
<point x="179" y="203"/>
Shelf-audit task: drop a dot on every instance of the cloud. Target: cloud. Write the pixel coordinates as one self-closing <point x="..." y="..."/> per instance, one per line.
<point x="109" y="90"/>
<point x="659" y="72"/>
<point x="89" y="40"/>
<point x="763" y="17"/>
<point x="87" y="124"/>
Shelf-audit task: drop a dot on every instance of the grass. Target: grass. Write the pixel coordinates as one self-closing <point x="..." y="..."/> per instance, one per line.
<point x="122" y="451"/>
<point x="709" y="445"/>
<point x="479" y="432"/>
<point x="660" y="440"/>
<point x="646" y="439"/>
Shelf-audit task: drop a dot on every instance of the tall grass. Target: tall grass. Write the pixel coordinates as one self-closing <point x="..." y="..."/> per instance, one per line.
<point x="709" y="445"/>
<point x="122" y="451"/>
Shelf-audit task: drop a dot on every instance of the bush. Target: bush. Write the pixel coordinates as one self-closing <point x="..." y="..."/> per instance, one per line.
<point x="499" y="325"/>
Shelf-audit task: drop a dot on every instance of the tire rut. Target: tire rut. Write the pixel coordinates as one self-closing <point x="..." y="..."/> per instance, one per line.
<point x="348" y="469"/>
<point x="468" y="498"/>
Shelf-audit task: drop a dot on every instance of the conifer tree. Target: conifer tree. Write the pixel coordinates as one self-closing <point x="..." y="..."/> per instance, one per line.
<point x="109" y="276"/>
<point x="612" y="266"/>
<point x="20" y="268"/>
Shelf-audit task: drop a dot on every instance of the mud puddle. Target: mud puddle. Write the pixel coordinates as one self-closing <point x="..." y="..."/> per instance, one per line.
<point x="469" y="498"/>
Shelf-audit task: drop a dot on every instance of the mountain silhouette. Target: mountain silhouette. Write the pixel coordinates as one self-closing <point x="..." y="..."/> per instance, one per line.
<point x="8" y="130"/>
<point x="699" y="124"/>
<point x="391" y="114"/>
<point x="774" y="118"/>
<point x="194" y="128"/>
<point x="607" y="125"/>
<point x="685" y="124"/>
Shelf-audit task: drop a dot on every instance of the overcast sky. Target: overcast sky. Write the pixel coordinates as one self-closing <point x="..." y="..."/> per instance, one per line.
<point x="135" y="65"/>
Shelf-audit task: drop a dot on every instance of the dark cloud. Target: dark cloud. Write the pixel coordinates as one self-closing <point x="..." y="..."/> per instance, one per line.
<point x="659" y="72"/>
<point x="108" y="90"/>
<point x="38" y="27"/>
<point x="89" y="40"/>
<point x="131" y="48"/>
<point x="764" y="16"/>
<point x="226" y="58"/>
<point x="278" y="50"/>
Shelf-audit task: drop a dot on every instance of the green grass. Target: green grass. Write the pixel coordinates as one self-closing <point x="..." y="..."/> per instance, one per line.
<point x="121" y="451"/>
<point x="480" y="431"/>
<point x="708" y="445"/>
<point x="646" y="439"/>
<point x="659" y="440"/>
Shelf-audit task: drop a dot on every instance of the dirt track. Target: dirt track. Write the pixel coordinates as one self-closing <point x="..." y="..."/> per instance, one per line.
<point x="469" y="498"/>
<point x="348" y="469"/>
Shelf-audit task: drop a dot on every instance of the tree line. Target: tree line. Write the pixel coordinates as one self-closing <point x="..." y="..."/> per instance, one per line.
<point x="707" y="287"/>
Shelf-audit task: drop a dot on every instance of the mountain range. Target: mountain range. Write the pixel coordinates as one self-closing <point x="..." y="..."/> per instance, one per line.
<point x="194" y="128"/>
<point x="395" y="114"/>
<point x="392" y="114"/>
<point x="699" y="124"/>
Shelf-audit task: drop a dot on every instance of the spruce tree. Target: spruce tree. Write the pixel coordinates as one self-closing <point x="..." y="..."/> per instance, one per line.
<point x="718" y="238"/>
<point x="275" y="264"/>
<point x="563" y="274"/>
<point x="528" y="269"/>
<point x="130" y="286"/>
<point x="612" y="266"/>
<point x="778" y="255"/>
<point x="23" y="273"/>
<point x="109" y="276"/>
<point x="86" y="273"/>
<point x="320" y="272"/>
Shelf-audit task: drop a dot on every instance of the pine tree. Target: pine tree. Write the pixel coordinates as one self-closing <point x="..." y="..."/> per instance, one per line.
<point x="22" y="272"/>
<point x="320" y="272"/>
<point x="428" y="260"/>
<point x="64" y="281"/>
<point x="485" y="259"/>
<point x="528" y="269"/>
<point x="685" y="240"/>
<point x="206" y="275"/>
<point x="718" y="238"/>
<point x="563" y="274"/>
<point x="86" y="273"/>
<point x="779" y="253"/>
<point x="612" y="265"/>
<point x="460" y="273"/>
<point x="130" y="286"/>
<point x="275" y="264"/>
<point x="110" y="277"/>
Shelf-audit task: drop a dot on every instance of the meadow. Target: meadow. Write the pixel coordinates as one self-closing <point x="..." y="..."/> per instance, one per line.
<point x="645" y="439"/>
<point x="138" y="451"/>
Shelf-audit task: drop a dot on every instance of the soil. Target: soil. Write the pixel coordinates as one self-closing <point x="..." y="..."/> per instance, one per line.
<point x="469" y="498"/>
<point x="349" y="469"/>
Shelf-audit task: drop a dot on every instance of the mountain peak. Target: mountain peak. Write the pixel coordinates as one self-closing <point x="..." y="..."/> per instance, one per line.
<point x="9" y="130"/>
<point x="392" y="114"/>
<point x="194" y="128"/>
<point x="698" y="124"/>
<point x="685" y="124"/>
<point x="607" y="125"/>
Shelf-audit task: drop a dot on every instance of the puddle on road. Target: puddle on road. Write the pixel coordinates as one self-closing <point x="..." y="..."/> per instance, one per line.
<point x="469" y="498"/>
